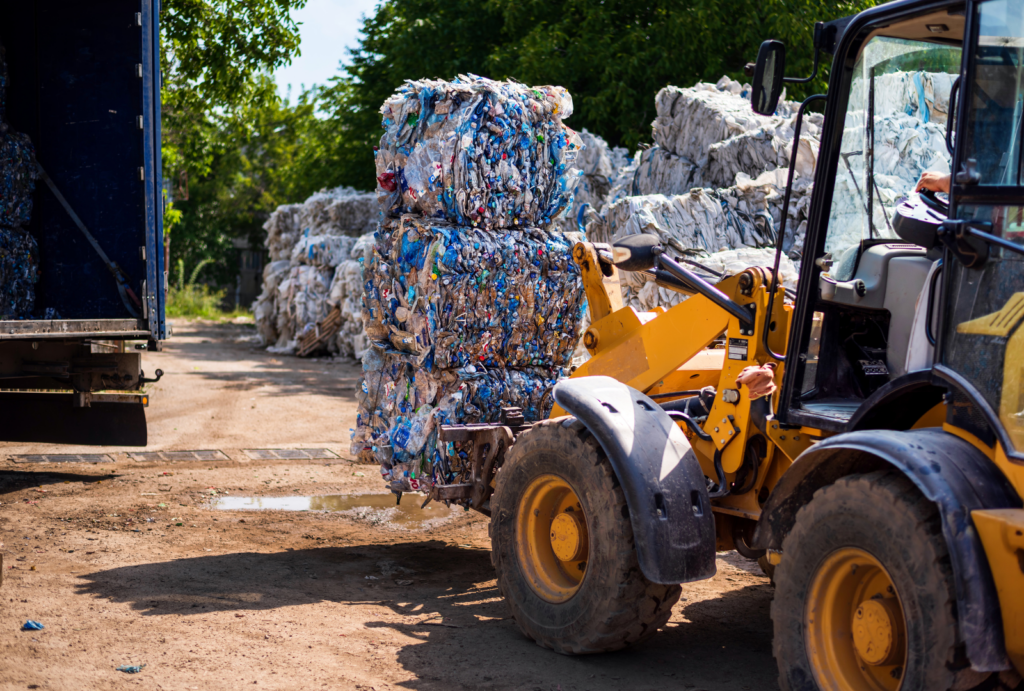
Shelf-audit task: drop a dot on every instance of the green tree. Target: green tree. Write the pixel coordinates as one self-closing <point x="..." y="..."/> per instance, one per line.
<point x="217" y="99"/>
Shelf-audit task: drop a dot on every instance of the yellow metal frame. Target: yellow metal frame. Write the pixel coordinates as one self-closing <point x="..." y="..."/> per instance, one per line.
<point x="663" y="351"/>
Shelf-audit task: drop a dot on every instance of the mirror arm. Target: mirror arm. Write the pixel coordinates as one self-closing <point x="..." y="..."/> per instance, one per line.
<point x="814" y="72"/>
<point x="780" y="236"/>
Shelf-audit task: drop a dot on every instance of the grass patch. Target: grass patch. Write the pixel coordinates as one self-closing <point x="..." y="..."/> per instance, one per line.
<point x="190" y="300"/>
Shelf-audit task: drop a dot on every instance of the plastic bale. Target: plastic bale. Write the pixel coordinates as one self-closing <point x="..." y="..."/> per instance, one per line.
<point x="690" y="120"/>
<point x="478" y="152"/>
<point x="19" y="273"/>
<point x="17" y="178"/>
<point x="458" y="296"/>
<point x="401" y="406"/>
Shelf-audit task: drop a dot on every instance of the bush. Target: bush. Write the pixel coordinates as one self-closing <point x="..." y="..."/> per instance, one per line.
<point x="192" y="301"/>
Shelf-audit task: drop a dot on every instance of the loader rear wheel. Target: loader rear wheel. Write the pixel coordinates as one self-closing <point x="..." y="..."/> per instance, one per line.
<point x="864" y="594"/>
<point x="562" y="546"/>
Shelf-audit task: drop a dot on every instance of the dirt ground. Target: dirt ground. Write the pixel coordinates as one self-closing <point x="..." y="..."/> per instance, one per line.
<point x="127" y="563"/>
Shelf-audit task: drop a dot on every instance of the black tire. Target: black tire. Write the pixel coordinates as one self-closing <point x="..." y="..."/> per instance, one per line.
<point x="883" y="514"/>
<point x="615" y="606"/>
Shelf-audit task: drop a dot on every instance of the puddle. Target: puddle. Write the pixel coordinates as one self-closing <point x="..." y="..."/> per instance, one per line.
<point x="375" y="509"/>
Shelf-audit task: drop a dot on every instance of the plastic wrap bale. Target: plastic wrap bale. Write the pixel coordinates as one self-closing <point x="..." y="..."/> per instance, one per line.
<point x="265" y="307"/>
<point x="924" y="95"/>
<point x="19" y="273"/>
<point x="283" y="231"/>
<point x="17" y="178"/>
<point x="322" y="250"/>
<point x="640" y="292"/>
<point x="454" y="295"/>
<point x="765" y="148"/>
<point x="401" y="407"/>
<point x="905" y="147"/>
<point x="769" y="188"/>
<point x="3" y="85"/>
<point x="702" y="219"/>
<point x="691" y="120"/>
<point x="478" y="152"/>
<point x="658" y="171"/>
<point x="347" y="294"/>
<point x="342" y="211"/>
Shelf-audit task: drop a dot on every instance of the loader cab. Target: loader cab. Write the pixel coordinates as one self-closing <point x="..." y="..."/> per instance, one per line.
<point x="877" y="309"/>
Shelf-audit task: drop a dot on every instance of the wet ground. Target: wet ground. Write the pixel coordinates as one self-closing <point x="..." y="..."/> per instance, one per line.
<point x="248" y="571"/>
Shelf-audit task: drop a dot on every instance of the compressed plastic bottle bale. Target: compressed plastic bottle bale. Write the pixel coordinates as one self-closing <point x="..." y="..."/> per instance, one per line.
<point x="19" y="273"/>
<point x="402" y="405"/>
<point x="460" y="295"/>
<point x="477" y="152"/>
<point x="3" y="85"/>
<point x="924" y="95"/>
<point x="17" y="178"/>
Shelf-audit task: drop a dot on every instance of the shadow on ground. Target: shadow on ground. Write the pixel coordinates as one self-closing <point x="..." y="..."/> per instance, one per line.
<point x="15" y="480"/>
<point x="454" y="610"/>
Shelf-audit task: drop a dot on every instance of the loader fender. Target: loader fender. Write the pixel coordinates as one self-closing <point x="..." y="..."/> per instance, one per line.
<point x="660" y="476"/>
<point x="948" y="471"/>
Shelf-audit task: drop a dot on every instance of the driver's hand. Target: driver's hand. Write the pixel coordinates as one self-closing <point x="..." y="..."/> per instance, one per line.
<point x="934" y="182"/>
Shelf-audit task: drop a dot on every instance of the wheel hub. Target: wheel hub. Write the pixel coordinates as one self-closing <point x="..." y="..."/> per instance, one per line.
<point x="855" y="629"/>
<point x="874" y="630"/>
<point x="552" y="540"/>
<point x="566" y="534"/>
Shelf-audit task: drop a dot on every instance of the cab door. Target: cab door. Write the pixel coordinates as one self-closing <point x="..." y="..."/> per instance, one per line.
<point x="981" y="345"/>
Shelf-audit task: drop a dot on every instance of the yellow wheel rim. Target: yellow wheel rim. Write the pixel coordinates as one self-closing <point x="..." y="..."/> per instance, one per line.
<point x="856" y="630"/>
<point x="552" y="539"/>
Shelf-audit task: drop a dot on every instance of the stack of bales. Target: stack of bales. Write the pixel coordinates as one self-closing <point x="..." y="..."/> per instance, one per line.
<point x="718" y="171"/>
<point x="19" y="253"/>
<point x="471" y="299"/>
<point x="315" y="253"/>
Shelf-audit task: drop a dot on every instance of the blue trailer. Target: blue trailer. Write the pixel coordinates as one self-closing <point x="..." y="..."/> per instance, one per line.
<point x="84" y="85"/>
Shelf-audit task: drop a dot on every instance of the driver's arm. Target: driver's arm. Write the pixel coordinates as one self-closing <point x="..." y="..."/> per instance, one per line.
<point x="935" y="182"/>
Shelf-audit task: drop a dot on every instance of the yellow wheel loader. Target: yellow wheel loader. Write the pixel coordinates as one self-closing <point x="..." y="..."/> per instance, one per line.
<point x="863" y="436"/>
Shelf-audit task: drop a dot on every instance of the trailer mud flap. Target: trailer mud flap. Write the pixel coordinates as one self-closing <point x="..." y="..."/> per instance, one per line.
<point x="54" y="419"/>
<point x="660" y="476"/>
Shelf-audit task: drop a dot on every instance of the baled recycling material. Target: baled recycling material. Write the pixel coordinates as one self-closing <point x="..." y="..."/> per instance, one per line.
<point x="459" y="296"/>
<point x="403" y="404"/>
<point x="315" y="254"/>
<point x="19" y="252"/>
<point x="477" y="152"/>
<point x="471" y="300"/>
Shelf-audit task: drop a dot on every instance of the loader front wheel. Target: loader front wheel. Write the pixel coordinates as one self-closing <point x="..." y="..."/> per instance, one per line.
<point x="864" y="594"/>
<point x="562" y="546"/>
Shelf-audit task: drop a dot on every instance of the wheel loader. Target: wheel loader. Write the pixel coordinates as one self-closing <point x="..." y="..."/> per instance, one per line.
<point x="861" y="436"/>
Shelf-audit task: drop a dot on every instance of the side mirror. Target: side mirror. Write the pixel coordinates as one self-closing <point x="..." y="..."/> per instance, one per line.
<point x="768" y="76"/>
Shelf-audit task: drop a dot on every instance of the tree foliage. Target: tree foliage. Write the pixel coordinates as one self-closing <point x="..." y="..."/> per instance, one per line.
<point x="234" y="149"/>
<point x="612" y="55"/>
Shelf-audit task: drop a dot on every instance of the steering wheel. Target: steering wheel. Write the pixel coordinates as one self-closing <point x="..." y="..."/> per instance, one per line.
<point x="932" y="201"/>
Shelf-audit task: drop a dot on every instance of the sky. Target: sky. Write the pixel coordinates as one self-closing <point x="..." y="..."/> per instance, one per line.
<point x="328" y="28"/>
